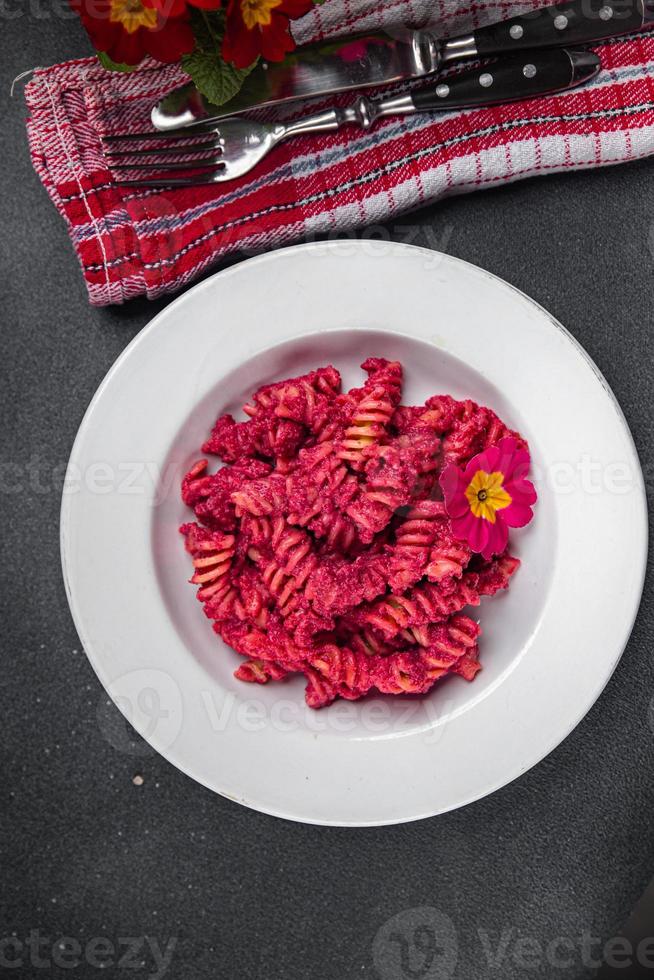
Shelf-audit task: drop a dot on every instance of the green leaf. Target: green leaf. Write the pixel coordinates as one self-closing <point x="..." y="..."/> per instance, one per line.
<point x="110" y="65"/>
<point x="214" y="78"/>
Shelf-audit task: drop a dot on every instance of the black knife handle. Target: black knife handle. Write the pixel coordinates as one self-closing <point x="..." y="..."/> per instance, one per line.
<point x="565" y="24"/>
<point x="525" y="76"/>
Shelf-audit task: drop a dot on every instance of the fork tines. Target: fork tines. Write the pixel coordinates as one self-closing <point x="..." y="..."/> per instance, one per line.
<point x="180" y="151"/>
<point x="150" y="151"/>
<point x="188" y="132"/>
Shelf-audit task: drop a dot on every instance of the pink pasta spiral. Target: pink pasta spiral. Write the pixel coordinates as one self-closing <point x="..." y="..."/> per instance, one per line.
<point x="285" y="564"/>
<point x="212" y="554"/>
<point x="260" y="671"/>
<point x="372" y="414"/>
<point x="261" y="498"/>
<point x="414" y="539"/>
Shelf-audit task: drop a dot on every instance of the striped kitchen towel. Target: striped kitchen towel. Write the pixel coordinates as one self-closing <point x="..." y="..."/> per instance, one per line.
<point x="133" y="243"/>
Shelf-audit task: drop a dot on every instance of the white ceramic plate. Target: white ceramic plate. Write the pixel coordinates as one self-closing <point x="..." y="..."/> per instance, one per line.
<point x="550" y="644"/>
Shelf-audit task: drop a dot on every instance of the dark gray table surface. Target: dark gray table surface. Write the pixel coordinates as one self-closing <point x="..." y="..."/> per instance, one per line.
<point x="557" y="858"/>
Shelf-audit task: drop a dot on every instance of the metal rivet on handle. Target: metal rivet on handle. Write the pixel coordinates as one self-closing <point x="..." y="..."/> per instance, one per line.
<point x="442" y="91"/>
<point x="516" y="32"/>
<point x="486" y="80"/>
<point x="529" y="71"/>
<point x="561" y="22"/>
<point x="606" y="13"/>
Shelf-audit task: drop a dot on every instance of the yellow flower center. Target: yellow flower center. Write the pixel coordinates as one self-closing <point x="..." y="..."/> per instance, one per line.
<point x="486" y="495"/>
<point x="257" y="13"/>
<point x="131" y="14"/>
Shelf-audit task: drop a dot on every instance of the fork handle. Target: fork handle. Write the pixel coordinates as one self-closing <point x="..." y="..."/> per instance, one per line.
<point x="317" y="122"/>
<point x="512" y="78"/>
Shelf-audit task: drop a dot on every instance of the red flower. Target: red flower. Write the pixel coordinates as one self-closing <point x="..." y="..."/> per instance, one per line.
<point x="260" y="27"/>
<point x="128" y="30"/>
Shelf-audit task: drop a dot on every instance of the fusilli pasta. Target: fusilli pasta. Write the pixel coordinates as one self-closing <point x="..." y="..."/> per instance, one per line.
<point x="373" y="409"/>
<point x="323" y="545"/>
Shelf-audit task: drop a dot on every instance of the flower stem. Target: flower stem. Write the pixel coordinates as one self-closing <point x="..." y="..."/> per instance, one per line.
<point x="209" y="26"/>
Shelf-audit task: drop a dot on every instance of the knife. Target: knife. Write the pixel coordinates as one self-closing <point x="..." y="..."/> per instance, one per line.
<point x="381" y="59"/>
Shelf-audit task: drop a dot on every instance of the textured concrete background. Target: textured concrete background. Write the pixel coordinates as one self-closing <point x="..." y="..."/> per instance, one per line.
<point x="561" y="854"/>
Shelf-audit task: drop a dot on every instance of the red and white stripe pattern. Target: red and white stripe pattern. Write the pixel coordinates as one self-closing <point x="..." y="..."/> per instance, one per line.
<point x="132" y="243"/>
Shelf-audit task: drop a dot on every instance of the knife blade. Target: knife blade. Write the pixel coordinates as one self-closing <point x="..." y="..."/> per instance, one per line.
<point x="312" y="70"/>
<point x="380" y="59"/>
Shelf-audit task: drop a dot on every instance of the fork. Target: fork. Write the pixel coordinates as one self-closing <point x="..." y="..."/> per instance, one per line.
<point x="233" y="148"/>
